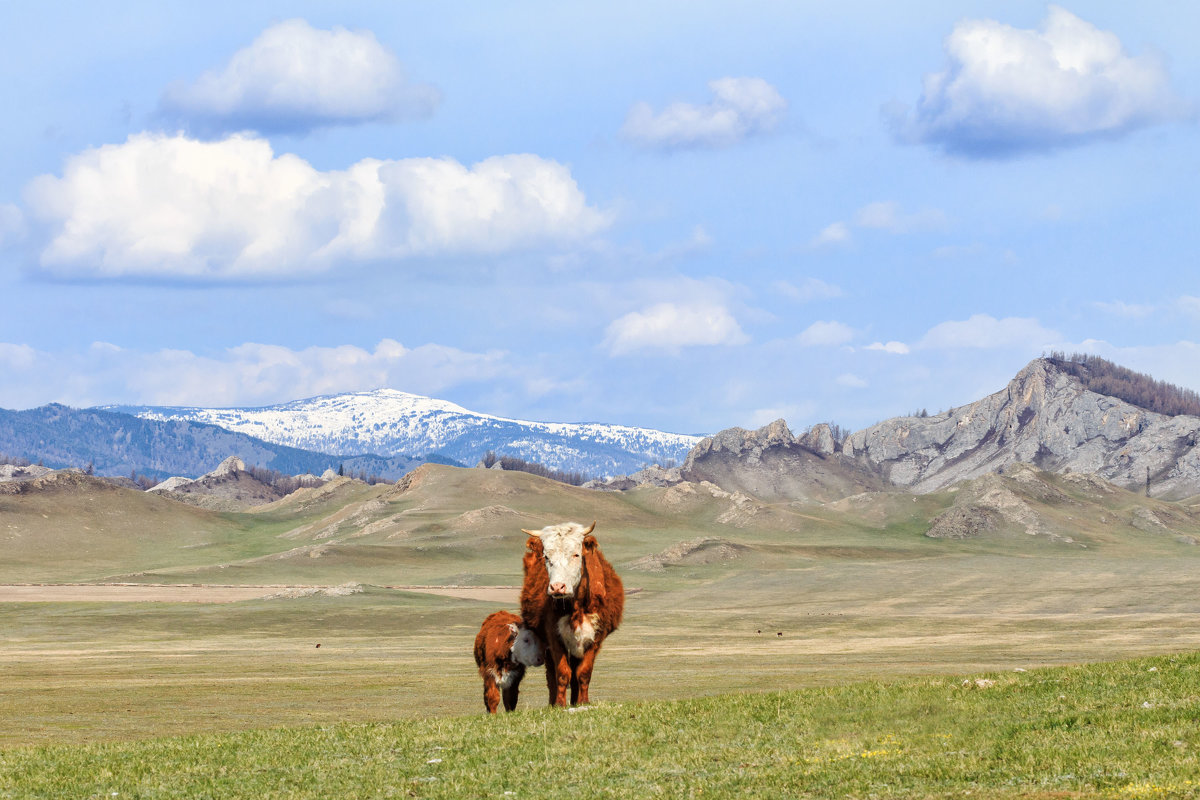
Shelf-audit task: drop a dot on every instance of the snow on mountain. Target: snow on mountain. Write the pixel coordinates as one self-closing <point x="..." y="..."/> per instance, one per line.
<point x="389" y="422"/>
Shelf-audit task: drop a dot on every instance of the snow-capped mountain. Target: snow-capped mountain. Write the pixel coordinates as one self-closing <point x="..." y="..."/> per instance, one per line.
<point x="389" y="422"/>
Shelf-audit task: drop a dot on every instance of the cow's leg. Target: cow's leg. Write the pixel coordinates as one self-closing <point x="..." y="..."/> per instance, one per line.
<point x="491" y="694"/>
<point x="510" y="696"/>
<point x="574" y="680"/>
<point x="551" y="677"/>
<point x="583" y="673"/>
<point x="558" y="674"/>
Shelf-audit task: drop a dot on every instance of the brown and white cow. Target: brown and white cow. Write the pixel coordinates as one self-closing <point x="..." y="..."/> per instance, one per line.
<point x="574" y="598"/>
<point x="503" y="649"/>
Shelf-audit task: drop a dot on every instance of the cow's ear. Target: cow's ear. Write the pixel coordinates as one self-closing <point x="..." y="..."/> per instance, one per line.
<point x="591" y="565"/>
<point x="533" y="544"/>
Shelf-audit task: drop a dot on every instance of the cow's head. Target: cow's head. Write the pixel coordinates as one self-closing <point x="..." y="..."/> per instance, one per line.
<point x="565" y="548"/>
<point x="527" y="648"/>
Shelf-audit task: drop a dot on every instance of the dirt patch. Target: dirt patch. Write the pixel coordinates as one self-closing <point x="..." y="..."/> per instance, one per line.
<point x="493" y="594"/>
<point x="134" y="593"/>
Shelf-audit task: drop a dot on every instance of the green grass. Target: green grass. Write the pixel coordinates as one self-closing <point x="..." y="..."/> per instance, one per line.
<point x="1123" y="729"/>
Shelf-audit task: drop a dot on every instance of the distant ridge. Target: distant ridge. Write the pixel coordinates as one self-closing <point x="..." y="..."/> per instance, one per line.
<point x="394" y="423"/>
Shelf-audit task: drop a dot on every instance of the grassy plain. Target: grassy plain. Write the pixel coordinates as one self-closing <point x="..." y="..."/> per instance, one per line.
<point x="1119" y="730"/>
<point x="790" y="597"/>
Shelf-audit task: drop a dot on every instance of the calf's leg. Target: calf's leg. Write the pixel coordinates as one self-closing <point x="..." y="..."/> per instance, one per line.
<point x="491" y="694"/>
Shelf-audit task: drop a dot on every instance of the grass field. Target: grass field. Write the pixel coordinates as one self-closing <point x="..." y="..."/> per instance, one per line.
<point x="780" y="634"/>
<point x="1123" y="730"/>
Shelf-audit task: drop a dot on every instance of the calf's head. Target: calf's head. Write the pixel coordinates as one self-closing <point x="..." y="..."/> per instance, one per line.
<point x="569" y="552"/>
<point x="527" y="648"/>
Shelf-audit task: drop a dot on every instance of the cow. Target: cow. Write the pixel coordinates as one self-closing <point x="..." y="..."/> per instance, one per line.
<point x="503" y="649"/>
<point x="573" y="597"/>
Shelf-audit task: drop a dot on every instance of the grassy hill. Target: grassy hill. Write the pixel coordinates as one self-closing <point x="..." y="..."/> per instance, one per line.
<point x="1117" y="730"/>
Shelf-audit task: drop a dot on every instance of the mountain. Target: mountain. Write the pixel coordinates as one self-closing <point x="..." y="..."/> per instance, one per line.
<point x="118" y="444"/>
<point x="394" y="423"/>
<point x="1047" y="416"/>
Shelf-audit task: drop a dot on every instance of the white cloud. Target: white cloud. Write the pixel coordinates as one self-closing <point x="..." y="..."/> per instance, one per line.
<point x="826" y="334"/>
<point x="834" y="234"/>
<point x="1119" y="308"/>
<point x="294" y="77"/>
<point x="984" y="331"/>
<point x="895" y="348"/>
<point x="17" y="356"/>
<point x="1006" y="90"/>
<point x="886" y="216"/>
<point x="809" y="290"/>
<point x="740" y="107"/>
<point x="669" y="327"/>
<point x="1189" y="305"/>
<point x="169" y="207"/>
<point x="889" y="217"/>
<point x="249" y="374"/>
<point x="851" y="381"/>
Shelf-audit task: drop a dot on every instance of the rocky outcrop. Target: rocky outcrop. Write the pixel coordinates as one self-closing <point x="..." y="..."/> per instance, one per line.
<point x="694" y="552"/>
<point x="1044" y="417"/>
<point x="773" y="465"/>
<point x="13" y="472"/>
<point x="229" y="487"/>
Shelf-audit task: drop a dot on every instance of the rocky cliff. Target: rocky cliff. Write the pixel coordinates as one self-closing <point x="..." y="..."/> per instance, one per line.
<point x="1044" y="417"/>
<point x="774" y="465"/>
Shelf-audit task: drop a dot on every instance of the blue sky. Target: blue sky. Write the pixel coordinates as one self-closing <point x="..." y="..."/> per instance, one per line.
<point x="686" y="216"/>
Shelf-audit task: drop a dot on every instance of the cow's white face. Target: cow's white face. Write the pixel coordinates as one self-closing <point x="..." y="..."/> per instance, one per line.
<point x="563" y="550"/>
<point x="527" y="648"/>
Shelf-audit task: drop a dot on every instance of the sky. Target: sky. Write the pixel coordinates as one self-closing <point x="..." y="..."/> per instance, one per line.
<point x="680" y="215"/>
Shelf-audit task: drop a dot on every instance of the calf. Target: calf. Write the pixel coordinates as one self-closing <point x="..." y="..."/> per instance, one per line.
<point x="503" y="649"/>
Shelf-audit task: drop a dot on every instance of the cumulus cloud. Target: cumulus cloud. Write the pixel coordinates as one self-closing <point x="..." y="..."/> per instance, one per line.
<point x="172" y="207"/>
<point x="895" y="348"/>
<point x="1119" y="308"/>
<point x="833" y="234"/>
<point x="851" y="381"/>
<point x="740" y="107"/>
<point x="669" y="327"/>
<point x="984" y="331"/>
<point x="1007" y="90"/>
<point x="808" y="290"/>
<point x="884" y="216"/>
<point x="888" y="216"/>
<point x="294" y="78"/>
<point x="249" y="374"/>
<point x="826" y="334"/>
<point x="1189" y="305"/>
